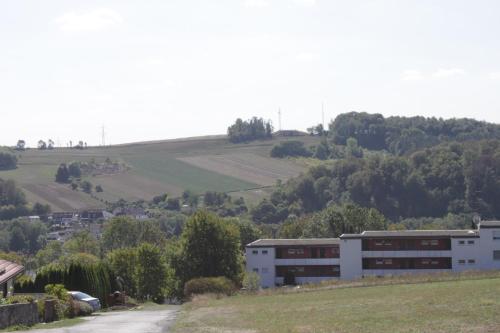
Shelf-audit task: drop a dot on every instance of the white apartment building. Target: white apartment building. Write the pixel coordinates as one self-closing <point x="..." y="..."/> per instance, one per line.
<point x="379" y="253"/>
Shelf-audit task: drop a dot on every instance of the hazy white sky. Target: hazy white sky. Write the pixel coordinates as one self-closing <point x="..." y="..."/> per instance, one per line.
<point x="164" y="69"/>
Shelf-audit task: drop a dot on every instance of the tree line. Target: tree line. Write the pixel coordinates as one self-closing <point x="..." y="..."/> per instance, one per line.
<point x="400" y="135"/>
<point x="449" y="178"/>
<point x="13" y="202"/>
<point x="249" y="130"/>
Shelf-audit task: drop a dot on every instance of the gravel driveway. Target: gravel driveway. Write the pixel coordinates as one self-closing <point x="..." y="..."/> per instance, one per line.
<point x="136" y="321"/>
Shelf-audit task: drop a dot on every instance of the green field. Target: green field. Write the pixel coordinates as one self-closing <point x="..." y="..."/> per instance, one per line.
<point x="171" y="166"/>
<point x="463" y="305"/>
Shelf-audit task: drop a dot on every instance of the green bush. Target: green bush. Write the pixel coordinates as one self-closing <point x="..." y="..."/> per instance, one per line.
<point x="251" y="281"/>
<point x="94" y="279"/>
<point x="290" y="148"/>
<point x="58" y="291"/>
<point x="78" y="309"/>
<point x="214" y="285"/>
<point x="16" y="299"/>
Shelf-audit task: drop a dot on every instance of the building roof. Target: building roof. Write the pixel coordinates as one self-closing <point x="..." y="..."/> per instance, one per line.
<point x="294" y="242"/>
<point x="413" y="233"/>
<point x="9" y="270"/>
<point x="489" y="224"/>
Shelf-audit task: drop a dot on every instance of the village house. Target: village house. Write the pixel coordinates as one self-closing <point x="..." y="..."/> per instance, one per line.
<point x="8" y="272"/>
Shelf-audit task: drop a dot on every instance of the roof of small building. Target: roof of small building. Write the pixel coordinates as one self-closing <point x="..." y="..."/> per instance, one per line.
<point x="9" y="270"/>
<point x="489" y="224"/>
<point x="413" y="233"/>
<point x="294" y="242"/>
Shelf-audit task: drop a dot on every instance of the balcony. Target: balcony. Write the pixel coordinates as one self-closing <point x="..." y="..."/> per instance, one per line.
<point x="307" y="261"/>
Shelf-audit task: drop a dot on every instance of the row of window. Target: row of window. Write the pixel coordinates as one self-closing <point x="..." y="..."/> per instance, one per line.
<point x="469" y="242"/>
<point x="469" y="261"/>
<point x="423" y="242"/>
<point x="388" y="261"/>
<point x="264" y="270"/>
<point x="264" y="252"/>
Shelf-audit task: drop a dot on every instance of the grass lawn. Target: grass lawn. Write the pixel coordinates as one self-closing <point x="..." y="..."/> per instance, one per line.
<point x="451" y="306"/>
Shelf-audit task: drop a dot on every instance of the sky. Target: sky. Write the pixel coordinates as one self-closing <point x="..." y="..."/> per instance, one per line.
<point x="150" y="70"/>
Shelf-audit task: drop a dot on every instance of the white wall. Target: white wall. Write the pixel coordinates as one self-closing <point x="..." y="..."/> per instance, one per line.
<point x="350" y="259"/>
<point x="488" y="245"/>
<point x="264" y="263"/>
<point x="465" y="252"/>
<point x="387" y="272"/>
<point x="313" y="279"/>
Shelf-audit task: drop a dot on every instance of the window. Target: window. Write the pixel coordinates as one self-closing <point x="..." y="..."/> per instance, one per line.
<point x="471" y="261"/>
<point x="434" y="262"/>
<point x="291" y="251"/>
<point x="255" y="252"/>
<point x="434" y="242"/>
<point x="300" y="269"/>
<point x="256" y="270"/>
<point x="426" y="261"/>
<point x="461" y="262"/>
<point x="461" y="242"/>
<point x="264" y="251"/>
<point x="470" y="242"/>
<point x="300" y="251"/>
<point x="496" y="235"/>
<point x="382" y="242"/>
<point x="424" y="242"/>
<point x="264" y="270"/>
<point x="379" y="262"/>
<point x="496" y="255"/>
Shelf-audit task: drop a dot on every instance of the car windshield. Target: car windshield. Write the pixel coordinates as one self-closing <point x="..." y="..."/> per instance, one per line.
<point x="79" y="296"/>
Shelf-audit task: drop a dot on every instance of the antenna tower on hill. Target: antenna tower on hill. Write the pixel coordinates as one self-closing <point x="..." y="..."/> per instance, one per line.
<point x="279" y="118"/>
<point x="323" y="115"/>
<point x="103" y="136"/>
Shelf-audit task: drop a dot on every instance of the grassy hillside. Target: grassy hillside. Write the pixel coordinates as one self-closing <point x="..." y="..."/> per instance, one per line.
<point x="171" y="166"/>
<point x="463" y="305"/>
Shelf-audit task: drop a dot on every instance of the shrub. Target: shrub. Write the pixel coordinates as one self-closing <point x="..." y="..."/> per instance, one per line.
<point x="58" y="291"/>
<point x="16" y="299"/>
<point x="214" y="285"/>
<point x="290" y="148"/>
<point x="251" y="281"/>
<point x="78" y="308"/>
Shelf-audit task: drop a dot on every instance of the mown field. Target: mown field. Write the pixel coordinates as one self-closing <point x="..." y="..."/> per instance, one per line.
<point x="171" y="166"/>
<point x="461" y="305"/>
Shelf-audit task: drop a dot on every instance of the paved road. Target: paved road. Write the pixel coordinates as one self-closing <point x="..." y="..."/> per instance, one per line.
<point x="137" y="321"/>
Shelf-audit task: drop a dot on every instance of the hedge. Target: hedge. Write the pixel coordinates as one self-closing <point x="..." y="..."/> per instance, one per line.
<point x="96" y="280"/>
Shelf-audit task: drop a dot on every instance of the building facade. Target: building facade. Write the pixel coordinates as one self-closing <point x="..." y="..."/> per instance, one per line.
<point x="378" y="253"/>
<point x="293" y="261"/>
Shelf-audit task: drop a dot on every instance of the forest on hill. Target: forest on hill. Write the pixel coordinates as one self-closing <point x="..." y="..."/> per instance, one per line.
<point x="400" y="135"/>
<point x="402" y="167"/>
<point x="449" y="178"/>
